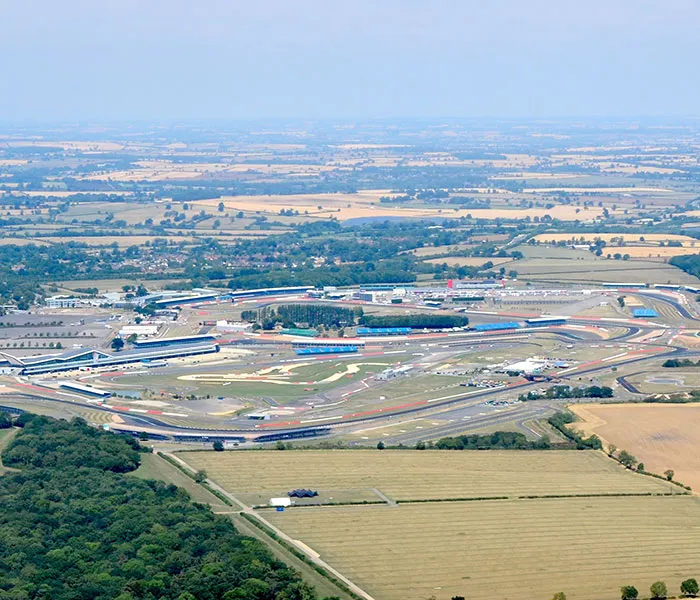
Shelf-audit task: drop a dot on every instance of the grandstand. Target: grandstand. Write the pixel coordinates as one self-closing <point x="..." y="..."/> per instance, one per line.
<point x="179" y="301"/>
<point x="325" y="350"/>
<point x="546" y="321"/>
<point x="644" y="313"/>
<point x="324" y="342"/>
<point x="93" y="358"/>
<point x="173" y="341"/>
<point x="281" y="291"/>
<point x="497" y="326"/>
<point x="373" y="331"/>
<point x="84" y="389"/>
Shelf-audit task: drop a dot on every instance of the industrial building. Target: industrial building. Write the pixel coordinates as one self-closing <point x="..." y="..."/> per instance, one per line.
<point x="138" y="330"/>
<point x="224" y="326"/>
<point x="62" y="302"/>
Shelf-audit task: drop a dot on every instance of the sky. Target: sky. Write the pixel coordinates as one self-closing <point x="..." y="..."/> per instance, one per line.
<point x="231" y="59"/>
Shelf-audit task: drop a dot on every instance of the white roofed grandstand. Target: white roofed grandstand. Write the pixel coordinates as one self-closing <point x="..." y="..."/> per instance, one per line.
<point x="92" y="357"/>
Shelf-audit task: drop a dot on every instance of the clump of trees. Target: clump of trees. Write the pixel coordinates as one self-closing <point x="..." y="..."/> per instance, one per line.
<point x="308" y="315"/>
<point x="567" y="391"/>
<point x="673" y="363"/>
<point x="47" y="442"/>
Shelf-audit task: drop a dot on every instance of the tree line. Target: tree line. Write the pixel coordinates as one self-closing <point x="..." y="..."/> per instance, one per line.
<point x="499" y="440"/>
<point x="418" y="321"/>
<point x="560" y="420"/>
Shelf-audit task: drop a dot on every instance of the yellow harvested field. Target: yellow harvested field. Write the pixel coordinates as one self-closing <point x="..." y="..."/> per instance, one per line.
<point x="366" y="204"/>
<point x="611" y="167"/>
<point x="647" y="252"/>
<point x="411" y="475"/>
<point x="505" y="550"/>
<point x="600" y="190"/>
<point x="662" y="436"/>
<point x="12" y="241"/>
<point x="630" y="238"/>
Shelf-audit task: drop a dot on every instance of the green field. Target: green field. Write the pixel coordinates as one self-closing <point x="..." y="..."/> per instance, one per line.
<point x="547" y="264"/>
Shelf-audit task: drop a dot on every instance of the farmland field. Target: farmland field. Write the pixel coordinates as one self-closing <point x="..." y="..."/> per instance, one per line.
<point x="630" y="238"/>
<point x="468" y="261"/>
<point x="512" y="549"/>
<point x="366" y="204"/>
<point x="588" y="269"/>
<point x="411" y="475"/>
<point x="483" y="548"/>
<point x="663" y="437"/>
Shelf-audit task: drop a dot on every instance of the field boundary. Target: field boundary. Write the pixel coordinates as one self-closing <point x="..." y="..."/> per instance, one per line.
<point x="174" y="462"/>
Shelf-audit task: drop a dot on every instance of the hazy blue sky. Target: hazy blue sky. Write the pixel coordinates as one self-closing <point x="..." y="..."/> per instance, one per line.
<point x="123" y="59"/>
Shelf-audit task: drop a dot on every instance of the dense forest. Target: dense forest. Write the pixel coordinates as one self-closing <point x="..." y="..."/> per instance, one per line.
<point x="74" y="527"/>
